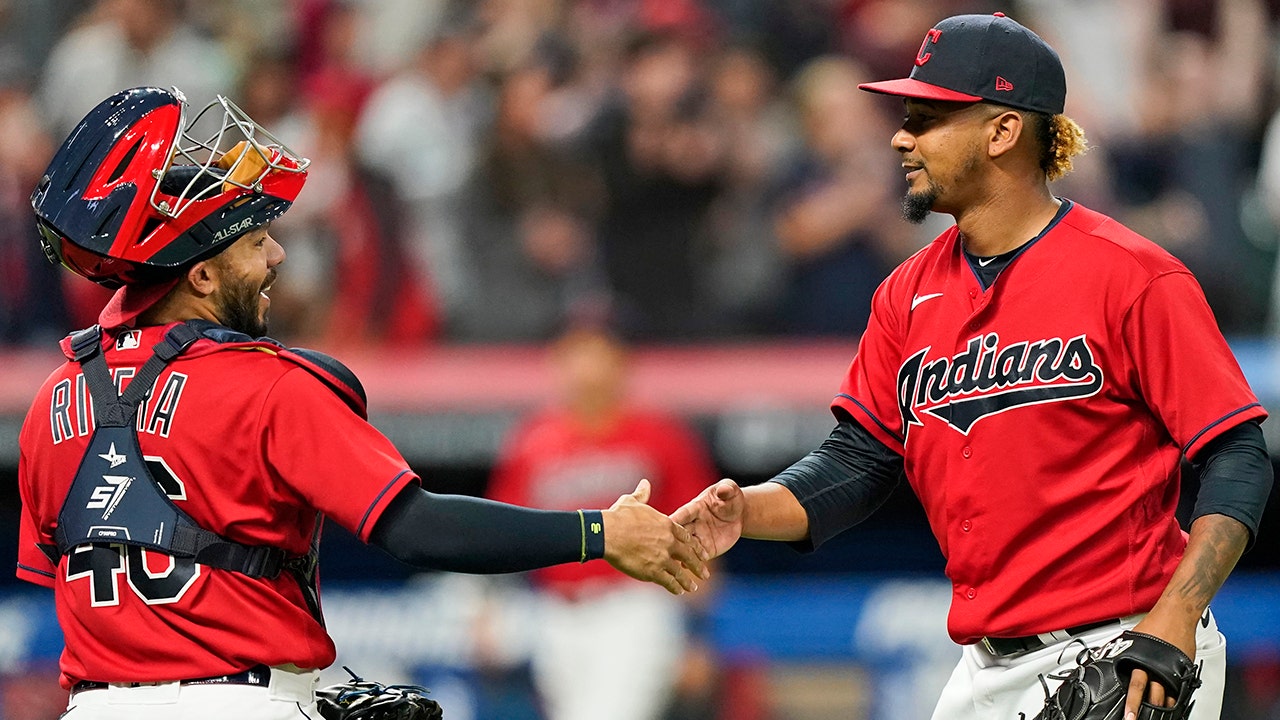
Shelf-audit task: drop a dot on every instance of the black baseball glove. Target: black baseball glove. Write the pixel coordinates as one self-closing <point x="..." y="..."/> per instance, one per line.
<point x="1096" y="688"/>
<point x="361" y="699"/>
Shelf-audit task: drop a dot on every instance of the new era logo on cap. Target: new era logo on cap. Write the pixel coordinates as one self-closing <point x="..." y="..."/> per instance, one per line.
<point x="969" y="58"/>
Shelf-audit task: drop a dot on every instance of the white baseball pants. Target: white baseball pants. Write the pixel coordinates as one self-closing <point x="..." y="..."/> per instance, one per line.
<point x="289" y="696"/>
<point x="985" y="687"/>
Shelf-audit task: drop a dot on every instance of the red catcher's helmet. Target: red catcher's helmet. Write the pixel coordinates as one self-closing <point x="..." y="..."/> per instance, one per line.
<point x="131" y="197"/>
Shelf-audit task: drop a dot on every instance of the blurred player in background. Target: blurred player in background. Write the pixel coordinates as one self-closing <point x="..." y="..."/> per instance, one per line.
<point x="1038" y="374"/>
<point x="175" y="470"/>
<point x="604" y="647"/>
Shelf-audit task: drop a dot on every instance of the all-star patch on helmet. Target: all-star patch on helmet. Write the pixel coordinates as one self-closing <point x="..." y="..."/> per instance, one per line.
<point x="131" y="197"/>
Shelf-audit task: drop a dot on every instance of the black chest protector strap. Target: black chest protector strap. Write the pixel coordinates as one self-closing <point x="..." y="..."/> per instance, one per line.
<point x="115" y="499"/>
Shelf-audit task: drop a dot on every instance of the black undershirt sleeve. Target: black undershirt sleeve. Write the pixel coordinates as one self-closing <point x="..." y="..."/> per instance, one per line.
<point x="465" y="534"/>
<point x="839" y="484"/>
<point x="1235" y="476"/>
<point x="848" y="477"/>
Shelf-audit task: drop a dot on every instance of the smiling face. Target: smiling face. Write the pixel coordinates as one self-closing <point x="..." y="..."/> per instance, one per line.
<point x="245" y="272"/>
<point x="943" y="145"/>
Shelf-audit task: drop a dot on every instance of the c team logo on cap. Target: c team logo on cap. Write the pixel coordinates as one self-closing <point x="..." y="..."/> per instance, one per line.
<point x="930" y="39"/>
<point x="986" y="57"/>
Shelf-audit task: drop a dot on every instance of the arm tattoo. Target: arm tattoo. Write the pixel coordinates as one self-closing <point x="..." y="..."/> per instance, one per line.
<point x="1217" y="542"/>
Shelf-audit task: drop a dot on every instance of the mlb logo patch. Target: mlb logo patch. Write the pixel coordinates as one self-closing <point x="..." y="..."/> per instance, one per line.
<point x="129" y="340"/>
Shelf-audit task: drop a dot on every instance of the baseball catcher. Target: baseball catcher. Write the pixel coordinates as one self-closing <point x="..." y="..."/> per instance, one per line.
<point x="1096" y="688"/>
<point x="178" y="467"/>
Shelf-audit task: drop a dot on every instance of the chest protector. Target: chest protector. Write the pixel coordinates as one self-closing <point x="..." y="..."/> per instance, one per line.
<point x="114" y="498"/>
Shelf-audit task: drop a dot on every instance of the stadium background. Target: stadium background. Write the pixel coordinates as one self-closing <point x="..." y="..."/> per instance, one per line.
<point x="703" y="169"/>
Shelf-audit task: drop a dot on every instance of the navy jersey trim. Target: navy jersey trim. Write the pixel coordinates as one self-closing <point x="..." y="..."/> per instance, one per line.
<point x="1002" y="265"/>
<point x="1186" y="448"/>
<point x="376" y="500"/>
<point x="329" y="370"/>
<point x="873" y="417"/>
<point x="30" y="569"/>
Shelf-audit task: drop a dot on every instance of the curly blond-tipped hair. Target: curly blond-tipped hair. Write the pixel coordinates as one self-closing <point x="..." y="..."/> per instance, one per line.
<point x="1060" y="139"/>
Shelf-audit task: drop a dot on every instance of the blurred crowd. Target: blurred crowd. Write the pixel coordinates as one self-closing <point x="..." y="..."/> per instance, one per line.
<point x="706" y="168"/>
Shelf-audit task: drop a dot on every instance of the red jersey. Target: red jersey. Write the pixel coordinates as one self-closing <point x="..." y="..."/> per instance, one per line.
<point x="1042" y="421"/>
<point x="251" y="446"/>
<point x="552" y="461"/>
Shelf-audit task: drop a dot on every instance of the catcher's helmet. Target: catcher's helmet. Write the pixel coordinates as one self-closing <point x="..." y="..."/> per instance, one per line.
<point x="131" y="197"/>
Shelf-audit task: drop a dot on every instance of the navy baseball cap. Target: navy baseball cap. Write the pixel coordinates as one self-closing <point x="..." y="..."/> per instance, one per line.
<point x="971" y="58"/>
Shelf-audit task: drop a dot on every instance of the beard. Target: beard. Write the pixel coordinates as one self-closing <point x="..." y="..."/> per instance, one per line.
<point x="237" y="306"/>
<point x="916" y="206"/>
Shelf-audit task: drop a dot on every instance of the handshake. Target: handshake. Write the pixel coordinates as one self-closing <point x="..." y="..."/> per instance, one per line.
<point x="672" y="551"/>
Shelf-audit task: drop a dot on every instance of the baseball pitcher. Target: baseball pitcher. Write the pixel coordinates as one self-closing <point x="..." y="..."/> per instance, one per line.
<point x="1037" y="374"/>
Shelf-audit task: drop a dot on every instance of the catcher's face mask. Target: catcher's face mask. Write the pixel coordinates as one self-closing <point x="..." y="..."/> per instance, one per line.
<point x="132" y="196"/>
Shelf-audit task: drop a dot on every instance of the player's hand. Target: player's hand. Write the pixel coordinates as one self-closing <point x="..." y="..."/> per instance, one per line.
<point x="714" y="517"/>
<point x="650" y="546"/>
<point x="1140" y="684"/>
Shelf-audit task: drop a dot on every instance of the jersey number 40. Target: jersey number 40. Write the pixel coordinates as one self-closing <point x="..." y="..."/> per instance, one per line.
<point x="156" y="578"/>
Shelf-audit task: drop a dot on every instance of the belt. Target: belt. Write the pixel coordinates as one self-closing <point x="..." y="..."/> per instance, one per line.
<point x="1004" y="647"/>
<point x="259" y="675"/>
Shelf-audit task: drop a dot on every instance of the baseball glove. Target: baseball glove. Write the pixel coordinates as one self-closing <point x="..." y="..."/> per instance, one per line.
<point x="1096" y="688"/>
<point x="362" y="699"/>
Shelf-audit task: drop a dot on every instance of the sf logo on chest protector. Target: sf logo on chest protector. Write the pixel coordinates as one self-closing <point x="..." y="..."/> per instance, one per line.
<point x="987" y="379"/>
<point x="107" y="497"/>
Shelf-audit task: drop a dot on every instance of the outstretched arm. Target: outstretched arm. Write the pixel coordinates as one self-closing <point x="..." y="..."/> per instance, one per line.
<point x="472" y="535"/>
<point x="832" y="488"/>
<point x="724" y="512"/>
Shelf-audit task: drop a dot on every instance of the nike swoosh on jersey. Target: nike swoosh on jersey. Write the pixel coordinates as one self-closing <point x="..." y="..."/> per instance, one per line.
<point x="921" y="298"/>
<point x="983" y="262"/>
